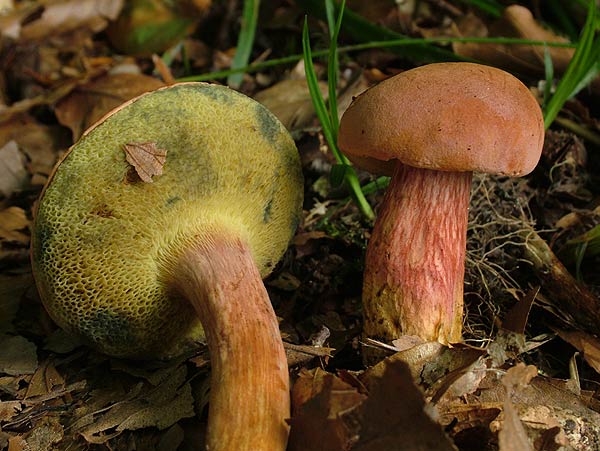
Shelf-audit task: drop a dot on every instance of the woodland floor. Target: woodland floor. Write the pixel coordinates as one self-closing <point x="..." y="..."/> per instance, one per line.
<point x="526" y="376"/>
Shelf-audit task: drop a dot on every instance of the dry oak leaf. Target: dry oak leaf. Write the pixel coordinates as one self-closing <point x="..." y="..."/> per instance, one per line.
<point x="12" y="223"/>
<point x="146" y="158"/>
<point x="585" y="343"/>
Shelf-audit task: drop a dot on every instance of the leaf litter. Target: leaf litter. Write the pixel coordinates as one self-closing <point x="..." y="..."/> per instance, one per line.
<point x="60" y="75"/>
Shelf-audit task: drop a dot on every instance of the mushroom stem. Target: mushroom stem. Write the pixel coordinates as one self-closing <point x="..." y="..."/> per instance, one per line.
<point x="414" y="269"/>
<point x="249" y="400"/>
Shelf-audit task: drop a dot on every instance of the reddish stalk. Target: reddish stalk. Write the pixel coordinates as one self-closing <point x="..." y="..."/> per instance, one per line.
<point x="249" y="400"/>
<point x="414" y="266"/>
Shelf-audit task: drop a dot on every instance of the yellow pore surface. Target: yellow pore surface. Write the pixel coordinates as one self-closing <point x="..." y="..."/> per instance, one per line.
<point x="104" y="245"/>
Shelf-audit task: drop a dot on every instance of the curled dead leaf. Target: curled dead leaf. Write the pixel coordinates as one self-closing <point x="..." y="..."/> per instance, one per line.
<point x="89" y="102"/>
<point x="518" y="22"/>
<point x="146" y="158"/>
<point x="13" y="222"/>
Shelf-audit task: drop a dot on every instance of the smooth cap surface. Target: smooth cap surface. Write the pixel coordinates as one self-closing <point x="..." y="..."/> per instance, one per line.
<point x="103" y="245"/>
<point x="446" y="116"/>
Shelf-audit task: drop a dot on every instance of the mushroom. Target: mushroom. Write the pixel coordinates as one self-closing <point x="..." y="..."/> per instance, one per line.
<point x="140" y="269"/>
<point x="430" y="128"/>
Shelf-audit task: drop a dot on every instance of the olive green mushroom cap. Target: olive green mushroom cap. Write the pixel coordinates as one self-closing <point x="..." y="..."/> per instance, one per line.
<point x="104" y="242"/>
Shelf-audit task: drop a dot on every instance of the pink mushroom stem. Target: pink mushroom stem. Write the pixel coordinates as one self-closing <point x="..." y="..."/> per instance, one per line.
<point x="414" y="265"/>
<point x="249" y="401"/>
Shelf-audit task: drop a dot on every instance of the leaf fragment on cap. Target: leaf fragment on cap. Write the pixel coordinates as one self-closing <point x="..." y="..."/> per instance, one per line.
<point x="146" y="158"/>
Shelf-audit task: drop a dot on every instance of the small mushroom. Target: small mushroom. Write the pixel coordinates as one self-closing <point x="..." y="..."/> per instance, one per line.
<point x="429" y="128"/>
<point x="141" y="269"/>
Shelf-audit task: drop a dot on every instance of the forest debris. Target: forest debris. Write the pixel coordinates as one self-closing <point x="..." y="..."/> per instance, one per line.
<point x="45" y="380"/>
<point x="13" y="174"/>
<point x="12" y="288"/>
<point x="512" y="435"/>
<point x="518" y="22"/>
<point x="587" y="344"/>
<point x="563" y="291"/>
<point x="290" y="101"/>
<point x="8" y="409"/>
<point x="159" y="406"/>
<point x="46" y="433"/>
<point x="33" y="21"/>
<point x="17" y="355"/>
<point x="298" y="354"/>
<point x="39" y="142"/>
<point x="89" y="102"/>
<point x="320" y="401"/>
<point x="395" y="416"/>
<point x="146" y="158"/>
<point x="515" y="319"/>
<point x="12" y="221"/>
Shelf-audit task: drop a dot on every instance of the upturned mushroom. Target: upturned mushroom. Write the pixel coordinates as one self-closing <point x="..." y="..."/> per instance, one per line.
<point x="430" y="128"/>
<point x="142" y="269"/>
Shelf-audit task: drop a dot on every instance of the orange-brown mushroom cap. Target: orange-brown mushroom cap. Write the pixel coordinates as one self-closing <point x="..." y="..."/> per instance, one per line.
<point x="448" y="117"/>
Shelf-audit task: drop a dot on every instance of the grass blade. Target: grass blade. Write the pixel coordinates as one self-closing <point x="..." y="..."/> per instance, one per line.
<point x="245" y="41"/>
<point x="349" y="175"/>
<point x="582" y="64"/>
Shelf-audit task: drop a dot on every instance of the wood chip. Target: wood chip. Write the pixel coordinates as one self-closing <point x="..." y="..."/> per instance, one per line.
<point x="146" y="158"/>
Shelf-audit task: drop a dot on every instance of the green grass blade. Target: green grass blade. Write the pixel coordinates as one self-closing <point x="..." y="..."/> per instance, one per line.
<point x="549" y="75"/>
<point x="245" y="41"/>
<point x="491" y="7"/>
<point x="319" y="103"/>
<point x="333" y="68"/>
<point x="583" y="61"/>
<point x="361" y="30"/>
<point x="290" y="59"/>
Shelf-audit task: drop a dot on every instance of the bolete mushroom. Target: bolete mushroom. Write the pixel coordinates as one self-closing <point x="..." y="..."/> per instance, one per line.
<point x="430" y="128"/>
<point x="131" y="266"/>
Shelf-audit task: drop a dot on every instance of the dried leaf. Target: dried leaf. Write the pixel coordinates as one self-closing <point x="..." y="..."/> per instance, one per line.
<point x="512" y="436"/>
<point x="394" y="416"/>
<point x="516" y="318"/>
<point x="33" y="21"/>
<point x="45" y="434"/>
<point x="13" y="174"/>
<point x="12" y="221"/>
<point x="320" y="399"/>
<point x="8" y="409"/>
<point x="586" y="343"/>
<point x="146" y="158"/>
<point x="17" y="355"/>
<point x="516" y="21"/>
<point x="17" y="443"/>
<point x="160" y="406"/>
<point x="88" y="103"/>
<point x="290" y="101"/>
<point x="40" y="143"/>
<point x="45" y="380"/>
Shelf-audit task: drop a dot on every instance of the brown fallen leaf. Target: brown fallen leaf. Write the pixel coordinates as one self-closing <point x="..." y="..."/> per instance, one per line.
<point x="12" y="223"/>
<point x="586" y="343"/>
<point x="89" y="102"/>
<point x="146" y="158"/>
<point x="44" y="380"/>
<point x="17" y="355"/>
<point x="35" y="21"/>
<point x="13" y="174"/>
<point x="9" y="409"/>
<point x="320" y="400"/>
<point x="518" y="22"/>
<point x="145" y="406"/>
<point x="512" y="435"/>
<point x="395" y="416"/>
<point x="39" y="142"/>
<point x="290" y="101"/>
<point x="47" y="432"/>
